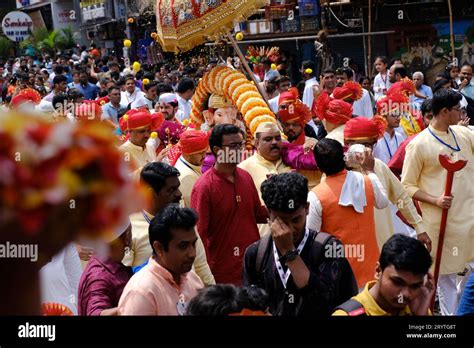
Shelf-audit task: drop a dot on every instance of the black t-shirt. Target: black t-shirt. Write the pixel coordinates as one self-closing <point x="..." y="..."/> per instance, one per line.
<point x="331" y="282"/>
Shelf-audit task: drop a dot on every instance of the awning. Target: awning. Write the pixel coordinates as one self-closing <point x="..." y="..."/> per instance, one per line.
<point x="88" y="25"/>
<point x="33" y="6"/>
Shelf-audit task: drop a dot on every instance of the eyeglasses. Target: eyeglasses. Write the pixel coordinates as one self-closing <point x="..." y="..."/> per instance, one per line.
<point x="235" y="145"/>
<point x="457" y="109"/>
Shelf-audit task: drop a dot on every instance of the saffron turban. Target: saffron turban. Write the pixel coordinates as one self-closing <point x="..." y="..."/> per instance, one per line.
<point x="291" y="109"/>
<point x="26" y="95"/>
<point x="333" y="110"/>
<point x="361" y="128"/>
<point x="135" y="120"/>
<point x="350" y="92"/>
<point x="194" y="141"/>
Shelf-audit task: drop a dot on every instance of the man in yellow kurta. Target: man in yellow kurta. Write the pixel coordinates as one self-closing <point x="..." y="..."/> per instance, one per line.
<point x="361" y="130"/>
<point x="400" y="288"/>
<point x="193" y="145"/>
<point x="266" y="161"/>
<point x="425" y="178"/>
<point x="136" y="149"/>
<point x="164" y="182"/>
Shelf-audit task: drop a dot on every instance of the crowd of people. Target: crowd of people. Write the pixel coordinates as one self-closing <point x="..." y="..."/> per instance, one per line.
<point x="332" y="205"/>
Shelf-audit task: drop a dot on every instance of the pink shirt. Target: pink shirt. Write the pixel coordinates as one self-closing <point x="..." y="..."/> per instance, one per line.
<point x="152" y="291"/>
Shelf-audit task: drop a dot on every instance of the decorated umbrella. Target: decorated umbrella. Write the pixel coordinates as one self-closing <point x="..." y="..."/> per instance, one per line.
<point x="184" y="24"/>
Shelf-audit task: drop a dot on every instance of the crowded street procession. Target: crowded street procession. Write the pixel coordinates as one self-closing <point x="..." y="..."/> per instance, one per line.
<point x="274" y="158"/>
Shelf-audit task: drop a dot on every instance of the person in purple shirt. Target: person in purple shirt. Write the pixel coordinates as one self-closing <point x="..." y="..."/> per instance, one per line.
<point x="104" y="278"/>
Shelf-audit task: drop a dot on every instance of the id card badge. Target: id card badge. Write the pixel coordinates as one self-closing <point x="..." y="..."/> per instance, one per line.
<point x="181" y="305"/>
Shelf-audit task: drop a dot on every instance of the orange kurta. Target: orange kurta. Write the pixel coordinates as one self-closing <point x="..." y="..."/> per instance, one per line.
<point x="356" y="231"/>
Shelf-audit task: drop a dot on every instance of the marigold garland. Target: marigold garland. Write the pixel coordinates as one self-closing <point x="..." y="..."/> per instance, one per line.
<point x="245" y="96"/>
<point x="232" y="84"/>
<point x="251" y="103"/>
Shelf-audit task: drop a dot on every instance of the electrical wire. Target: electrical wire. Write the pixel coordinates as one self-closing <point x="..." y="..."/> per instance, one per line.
<point x="341" y="23"/>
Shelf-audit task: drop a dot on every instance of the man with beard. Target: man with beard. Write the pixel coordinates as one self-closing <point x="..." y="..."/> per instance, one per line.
<point x="267" y="160"/>
<point x="293" y="115"/>
<point x="167" y="283"/>
<point x="169" y="107"/>
<point x="400" y="287"/>
<point x="228" y="205"/>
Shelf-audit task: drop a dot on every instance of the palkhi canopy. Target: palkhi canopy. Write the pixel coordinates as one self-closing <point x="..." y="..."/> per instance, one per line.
<point x="185" y="24"/>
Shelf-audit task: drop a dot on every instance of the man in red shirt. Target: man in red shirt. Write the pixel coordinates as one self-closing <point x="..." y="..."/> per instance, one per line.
<point x="228" y="205"/>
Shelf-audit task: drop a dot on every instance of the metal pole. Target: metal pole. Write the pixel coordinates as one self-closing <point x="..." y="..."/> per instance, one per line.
<point x="369" y="53"/>
<point x="363" y="43"/>
<point x="451" y="33"/>
<point x="310" y="37"/>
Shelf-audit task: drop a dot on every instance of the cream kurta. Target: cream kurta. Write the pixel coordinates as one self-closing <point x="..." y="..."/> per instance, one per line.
<point x="189" y="174"/>
<point x="397" y="195"/>
<point x="141" y="251"/>
<point x="258" y="168"/>
<point x="138" y="155"/>
<point x="337" y="134"/>
<point x="422" y="171"/>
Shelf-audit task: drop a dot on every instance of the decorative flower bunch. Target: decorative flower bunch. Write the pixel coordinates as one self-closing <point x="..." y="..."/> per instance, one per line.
<point x="256" y="54"/>
<point x="45" y="165"/>
<point x="234" y="86"/>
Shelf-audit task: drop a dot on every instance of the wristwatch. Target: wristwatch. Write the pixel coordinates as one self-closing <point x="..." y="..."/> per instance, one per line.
<point x="289" y="256"/>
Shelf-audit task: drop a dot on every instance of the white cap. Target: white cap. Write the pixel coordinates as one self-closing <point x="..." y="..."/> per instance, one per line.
<point x="167" y="98"/>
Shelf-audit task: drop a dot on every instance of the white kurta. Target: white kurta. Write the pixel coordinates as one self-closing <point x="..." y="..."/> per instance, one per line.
<point x="423" y="171"/>
<point x="60" y="277"/>
<point x="308" y="95"/>
<point x="387" y="146"/>
<point x="363" y="106"/>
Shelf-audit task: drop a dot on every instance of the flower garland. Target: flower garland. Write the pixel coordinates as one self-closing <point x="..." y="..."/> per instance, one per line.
<point x="235" y="86"/>
<point x="44" y="165"/>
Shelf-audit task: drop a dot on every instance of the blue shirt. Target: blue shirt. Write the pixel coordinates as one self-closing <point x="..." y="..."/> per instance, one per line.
<point x="426" y="91"/>
<point x="90" y="91"/>
<point x="110" y="112"/>
<point x="468" y="91"/>
<point x="466" y="306"/>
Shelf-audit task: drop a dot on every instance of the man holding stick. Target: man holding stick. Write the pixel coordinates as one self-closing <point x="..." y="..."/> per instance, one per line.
<point x="423" y="176"/>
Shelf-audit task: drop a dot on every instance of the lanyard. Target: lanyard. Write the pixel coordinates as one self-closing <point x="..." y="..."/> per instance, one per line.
<point x="187" y="165"/>
<point x="457" y="148"/>
<point x="146" y="217"/>
<point x="284" y="276"/>
<point x="388" y="146"/>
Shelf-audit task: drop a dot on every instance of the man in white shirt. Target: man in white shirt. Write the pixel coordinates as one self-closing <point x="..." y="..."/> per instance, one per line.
<point x="184" y="94"/>
<point x="361" y="107"/>
<point x="283" y="83"/>
<point x="149" y="98"/>
<point x="131" y="92"/>
<point x="269" y="72"/>
<point x="308" y="70"/>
